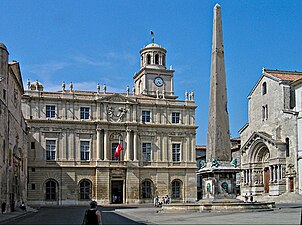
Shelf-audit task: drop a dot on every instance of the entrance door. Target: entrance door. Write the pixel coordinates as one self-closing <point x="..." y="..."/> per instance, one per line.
<point x="291" y="184"/>
<point x="266" y="180"/>
<point x="117" y="191"/>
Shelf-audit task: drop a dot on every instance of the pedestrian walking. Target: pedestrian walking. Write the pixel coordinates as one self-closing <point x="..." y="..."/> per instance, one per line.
<point x="246" y="197"/>
<point x="92" y="216"/>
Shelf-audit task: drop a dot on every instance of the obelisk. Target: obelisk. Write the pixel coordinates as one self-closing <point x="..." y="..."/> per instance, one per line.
<point x="218" y="143"/>
<point x="218" y="172"/>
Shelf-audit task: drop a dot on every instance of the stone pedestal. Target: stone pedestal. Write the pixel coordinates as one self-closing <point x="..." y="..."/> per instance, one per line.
<point x="219" y="182"/>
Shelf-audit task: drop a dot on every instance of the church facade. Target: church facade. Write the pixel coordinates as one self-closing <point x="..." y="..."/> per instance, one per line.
<point x="74" y="135"/>
<point x="271" y="140"/>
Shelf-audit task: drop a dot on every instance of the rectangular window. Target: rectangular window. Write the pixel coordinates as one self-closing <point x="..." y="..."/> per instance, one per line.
<point x="176" y="152"/>
<point x="175" y="117"/>
<point x="84" y="113"/>
<point x="50" y="111"/>
<point x="145" y="116"/>
<point x="33" y="186"/>
<point x="32" y="145"/>
<point x="33" y="169"/>
<point x="146" y="152"/>
<point x="50" y="149"/>
<point x="85" y="151"/>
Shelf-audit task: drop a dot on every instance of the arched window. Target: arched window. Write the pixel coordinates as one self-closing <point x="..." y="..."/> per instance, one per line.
<point x="50" y="190"/>
<point x="148" y="59"/>
<point x="147" y="189"/>
<point x="176" y="189"/>
<point x="85" y="189"/>
<point x="264" y="88"/>
<point x="156" y="59"/>
<point x="164" y="60"/>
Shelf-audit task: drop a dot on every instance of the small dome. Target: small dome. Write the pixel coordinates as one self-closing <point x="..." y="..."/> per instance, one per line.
<point x="153" y="45"/>
<point x="36" y="86"/>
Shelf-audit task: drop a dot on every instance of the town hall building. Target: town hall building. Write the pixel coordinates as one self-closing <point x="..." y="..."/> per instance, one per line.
<point x="74" y="134"/>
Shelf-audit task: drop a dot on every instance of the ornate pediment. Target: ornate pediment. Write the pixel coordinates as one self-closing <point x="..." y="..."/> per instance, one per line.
<point x="260" y="136"/>
<point x="116" y="98"/>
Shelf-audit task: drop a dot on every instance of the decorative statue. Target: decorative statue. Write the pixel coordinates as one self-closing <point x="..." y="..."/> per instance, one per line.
<point x="98" y="87"/>
<point x="202" y="164"/>
<point x="163" y="93"/>
<point x="133" y="90"/>
<point x="28" y="84"/>
<point x="104" y="88"/>
<point x="234" y="163"/>
<point x="71" y="86"/>
<point x="187" y="95"/>
<point x="63" y="86"/>
<point x="214" y="163"/>
<point x="127" y="90"/>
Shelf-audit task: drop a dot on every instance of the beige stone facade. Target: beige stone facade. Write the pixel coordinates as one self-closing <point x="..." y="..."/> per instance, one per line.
<point x="269" y="161"/>
<point x="13" y="135"/>
<point x="75" y="133"/>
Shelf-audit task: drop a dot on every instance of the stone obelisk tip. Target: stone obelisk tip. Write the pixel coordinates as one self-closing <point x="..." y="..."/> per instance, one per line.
<point x="217" y="6"/>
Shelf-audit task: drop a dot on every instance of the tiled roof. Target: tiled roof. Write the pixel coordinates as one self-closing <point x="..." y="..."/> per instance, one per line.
<point x="285" y="75"/>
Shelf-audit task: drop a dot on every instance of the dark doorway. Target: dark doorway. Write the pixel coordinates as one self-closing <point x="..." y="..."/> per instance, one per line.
<point x="291" y="184"/>
<point x="117" y="191"/>
<point x="266" y="180"/>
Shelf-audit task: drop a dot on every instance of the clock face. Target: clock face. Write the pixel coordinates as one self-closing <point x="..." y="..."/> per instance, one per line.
<point x="158" y="81"/>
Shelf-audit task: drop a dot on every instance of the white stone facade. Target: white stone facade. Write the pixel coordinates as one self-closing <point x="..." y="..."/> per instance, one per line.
<point x="74" y="134"/>
<point x="13" y="135"/>
<point x="270" y="140"/>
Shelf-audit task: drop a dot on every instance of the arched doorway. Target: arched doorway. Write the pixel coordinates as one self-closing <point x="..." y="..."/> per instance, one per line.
<point x="262" y="160"/>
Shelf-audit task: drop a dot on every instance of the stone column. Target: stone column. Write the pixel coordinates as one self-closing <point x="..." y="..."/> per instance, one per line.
<point x="135" y="146"/>
<point x="128" y="145"/>
<point x="98" y="143"/>
<point x="106" y="141"/>
<point x="164" y="149"/>
<point x="271" y="173"/>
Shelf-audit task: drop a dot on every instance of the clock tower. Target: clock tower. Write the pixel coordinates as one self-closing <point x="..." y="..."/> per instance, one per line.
<point x="154" y="79"/>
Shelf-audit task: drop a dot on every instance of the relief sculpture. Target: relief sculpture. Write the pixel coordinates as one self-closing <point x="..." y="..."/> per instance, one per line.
<point x="116" y="114"/>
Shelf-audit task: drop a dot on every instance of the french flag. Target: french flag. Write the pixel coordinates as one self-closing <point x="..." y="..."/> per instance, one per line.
<point x="118" y="150"/>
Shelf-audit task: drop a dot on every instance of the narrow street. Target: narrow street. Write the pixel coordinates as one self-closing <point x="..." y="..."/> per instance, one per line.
<point x="71" y="215"/>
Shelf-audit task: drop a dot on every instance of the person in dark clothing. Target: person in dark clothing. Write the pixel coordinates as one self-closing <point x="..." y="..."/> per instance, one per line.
<point x="92" y="215"/>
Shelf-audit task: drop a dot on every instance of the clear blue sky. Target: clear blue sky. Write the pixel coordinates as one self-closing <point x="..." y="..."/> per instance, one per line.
<point x="99" y="41"/>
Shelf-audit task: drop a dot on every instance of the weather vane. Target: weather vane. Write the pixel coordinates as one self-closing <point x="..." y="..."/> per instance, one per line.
<point x="152" y="34"/>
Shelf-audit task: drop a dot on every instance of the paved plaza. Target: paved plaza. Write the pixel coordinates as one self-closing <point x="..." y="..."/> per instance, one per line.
<point x="286" y="214"/>
<point x="148" y="214"/>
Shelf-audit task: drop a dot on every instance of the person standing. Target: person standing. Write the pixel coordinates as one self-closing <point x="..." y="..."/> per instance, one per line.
<point x="92" y="215"/>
